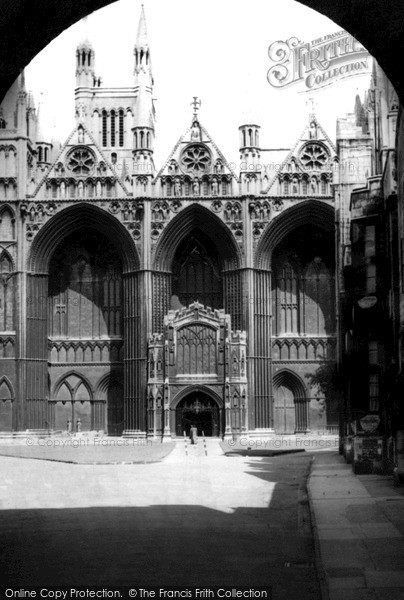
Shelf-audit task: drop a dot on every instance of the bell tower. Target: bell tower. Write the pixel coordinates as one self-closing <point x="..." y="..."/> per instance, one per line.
<point x="84" y="65"/>
<point x="250" y="158"/>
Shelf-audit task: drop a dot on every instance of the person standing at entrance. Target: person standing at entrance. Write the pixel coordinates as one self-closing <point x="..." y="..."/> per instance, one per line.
<point x="193" y="434"/>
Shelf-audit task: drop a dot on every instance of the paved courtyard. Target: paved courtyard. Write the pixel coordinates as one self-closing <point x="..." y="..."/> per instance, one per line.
<point x="188" y="520"/>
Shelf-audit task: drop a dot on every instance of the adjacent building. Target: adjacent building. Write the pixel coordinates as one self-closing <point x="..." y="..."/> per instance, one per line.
<point x="371" y="265"/>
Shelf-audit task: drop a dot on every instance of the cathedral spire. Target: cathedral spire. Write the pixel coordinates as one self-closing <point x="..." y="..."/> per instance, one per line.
<point x="144" y="117"/>
<point x="141" y="38"/>
<point x="142" y="71"/>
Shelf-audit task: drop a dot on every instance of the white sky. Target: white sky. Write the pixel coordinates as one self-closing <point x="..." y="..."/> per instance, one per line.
<point x="215" y="49"/>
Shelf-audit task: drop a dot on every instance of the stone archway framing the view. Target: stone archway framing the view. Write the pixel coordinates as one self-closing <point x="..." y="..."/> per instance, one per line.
<point x="372" y="23"/>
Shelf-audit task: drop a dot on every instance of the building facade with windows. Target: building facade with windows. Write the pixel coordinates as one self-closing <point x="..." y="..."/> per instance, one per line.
<point x="139" y="301"/>
<point x="371" y="323"/>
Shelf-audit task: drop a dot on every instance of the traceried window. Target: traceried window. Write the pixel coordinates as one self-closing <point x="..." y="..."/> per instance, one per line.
<point x="287" y="299"/>
<point x="196" y="159"/>
<point x="81" y="161"/>
<point x="316" y="302"/>
<point x="314" y="156"/>
<point x="6" y="293"/>
<point x="121" y="128"/>
<point x="104" y="127"/>
<point x="197" y="273"/>
<point x="85" y="286"/>
<point x="112" y="128"/>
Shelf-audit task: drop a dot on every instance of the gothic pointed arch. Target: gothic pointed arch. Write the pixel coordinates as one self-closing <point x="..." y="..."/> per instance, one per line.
<point x="6" y="404"/>
<point x="197" y="272"/>
<point x="309" y="212"/>
<point x="109" y="391"/>
<point x="191" y="218"/>
<point x="6" y="263"/>
<point x="7" y="289"/>
<point x="7" y="224"/>
<point x="293" y="381"/>
<point x="199" y="407"/>
<point x="72" y="381"/>
<point x="318" y="283"/>
<point x="6" y="389"/>
<point x="71" y="407"/>
<point x="70" y="220"/>
<point x="290" y="403"/>
<point x="64" y="393"/>
<point x="191" y="389"/>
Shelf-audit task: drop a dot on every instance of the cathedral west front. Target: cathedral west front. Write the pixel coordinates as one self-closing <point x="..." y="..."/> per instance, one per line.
<point x="141" y="299"/>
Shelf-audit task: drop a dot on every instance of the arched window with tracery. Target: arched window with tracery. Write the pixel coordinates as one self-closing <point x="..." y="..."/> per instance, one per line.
<point x="121" y="128"/>
<point x="286" y="297"/>
<point x="6" y="293"/>
<point x="197" y="273"/>
<point x="85" y="288"/>
<point x="104" y="128"/>
<point x="6" y="404"/>
<point x="318" y="298"/>
<point x="7" y="225"/>
<point x="112" y="128"/>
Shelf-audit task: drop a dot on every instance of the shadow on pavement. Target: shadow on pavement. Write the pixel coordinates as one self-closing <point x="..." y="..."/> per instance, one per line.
<point x="161" y="545"/>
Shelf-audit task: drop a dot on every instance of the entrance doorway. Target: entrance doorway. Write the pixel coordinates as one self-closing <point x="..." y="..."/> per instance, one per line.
<point x="199" y="410"/>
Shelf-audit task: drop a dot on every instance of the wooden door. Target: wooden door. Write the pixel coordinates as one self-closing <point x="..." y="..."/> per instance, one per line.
<point x="284" y="411"/>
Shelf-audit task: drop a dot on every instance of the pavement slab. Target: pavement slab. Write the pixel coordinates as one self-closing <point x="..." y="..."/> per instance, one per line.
<point x="359" y="522"/>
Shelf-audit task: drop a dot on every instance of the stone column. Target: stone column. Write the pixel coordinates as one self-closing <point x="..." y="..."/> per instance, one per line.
<point x="36" y="389"/>
<point x="135" y="358"/>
